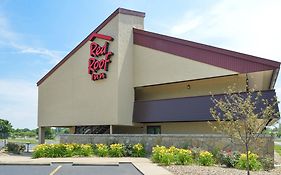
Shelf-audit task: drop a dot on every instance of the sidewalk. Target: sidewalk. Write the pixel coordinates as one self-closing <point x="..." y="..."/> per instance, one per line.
<point x="143" y="164"/>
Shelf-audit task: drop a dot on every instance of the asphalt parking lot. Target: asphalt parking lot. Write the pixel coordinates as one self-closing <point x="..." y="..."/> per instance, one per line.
<point x="70" y="169"/>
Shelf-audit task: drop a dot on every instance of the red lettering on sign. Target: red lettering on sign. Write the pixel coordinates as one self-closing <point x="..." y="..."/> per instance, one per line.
<point x="98" y="76"/>
<point x="95" y="64"/>
<point x="96" y="50"/>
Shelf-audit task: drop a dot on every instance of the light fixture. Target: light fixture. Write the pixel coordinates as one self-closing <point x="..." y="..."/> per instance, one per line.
<point x="188" y="86"/>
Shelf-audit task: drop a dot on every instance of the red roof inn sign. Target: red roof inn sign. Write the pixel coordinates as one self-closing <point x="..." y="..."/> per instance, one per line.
<point x="96" y="64"/>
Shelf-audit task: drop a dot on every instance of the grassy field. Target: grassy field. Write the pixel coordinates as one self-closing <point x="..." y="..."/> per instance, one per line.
<point x="29" y="140"/>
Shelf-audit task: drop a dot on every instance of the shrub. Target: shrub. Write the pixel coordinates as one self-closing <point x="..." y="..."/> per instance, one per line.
<point x="228" y="158"/>
<point x="101" y="150"/>
<point x="195" y="152"/>
<point x="205" y="158"/>
<point x="163" y="155"/>
<point x="254" y="163"/>
<point x="40" y="151"/>
<point x="128" y="150"/>
<point x="138" y="150"/>
<point x="157" y="152"/>
<point x="167" y="157"/>
<point x="62" y="150"/>
<point x="183" y="157"/>
<point x="83" y="150"/>
<point x="117" y="150"/>
<point x="15" y="148"/>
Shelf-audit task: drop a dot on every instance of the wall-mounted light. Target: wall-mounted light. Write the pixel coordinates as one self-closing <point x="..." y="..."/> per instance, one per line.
<point x="188" y="86"/>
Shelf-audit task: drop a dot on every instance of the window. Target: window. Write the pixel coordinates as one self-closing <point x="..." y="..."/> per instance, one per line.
<point x="153" y="129"/>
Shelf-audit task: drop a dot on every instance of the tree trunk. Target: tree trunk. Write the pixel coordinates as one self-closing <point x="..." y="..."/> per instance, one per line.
<point x="247" y="162"/>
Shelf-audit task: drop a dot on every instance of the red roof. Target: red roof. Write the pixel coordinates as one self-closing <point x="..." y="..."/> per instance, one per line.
<point x="230" y="60"/>
<point x="223" y="58"/>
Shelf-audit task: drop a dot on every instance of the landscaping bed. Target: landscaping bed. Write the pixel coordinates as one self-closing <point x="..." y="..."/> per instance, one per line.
<point x="219" y="170"/>
<point x="215" y="170"/>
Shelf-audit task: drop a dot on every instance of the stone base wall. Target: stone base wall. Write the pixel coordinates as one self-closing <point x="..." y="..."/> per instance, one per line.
<point x="264" y="146"/>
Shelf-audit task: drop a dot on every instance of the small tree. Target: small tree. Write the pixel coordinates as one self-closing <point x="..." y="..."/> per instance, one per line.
<point x="49" y="133"/>
<point x="243" y="116"/>
<point x="5" y="129"/>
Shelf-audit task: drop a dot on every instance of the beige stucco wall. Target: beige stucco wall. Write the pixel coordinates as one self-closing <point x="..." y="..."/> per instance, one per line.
<point x="260" y="80"/>
<point x="125" y="82"/>
<point x="68" y="97"/>
<point x="197" y="88"/>
<point x="157" y="67"/>
<point x="129" y="130"/>
<point x="169" y="128"/>
<point x="184" y="128"/>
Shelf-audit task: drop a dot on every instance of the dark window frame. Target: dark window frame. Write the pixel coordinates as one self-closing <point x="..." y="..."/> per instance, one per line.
<point x="156" y="129"/>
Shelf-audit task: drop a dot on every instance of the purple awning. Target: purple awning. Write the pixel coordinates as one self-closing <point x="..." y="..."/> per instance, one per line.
<point x="181" y="109"/>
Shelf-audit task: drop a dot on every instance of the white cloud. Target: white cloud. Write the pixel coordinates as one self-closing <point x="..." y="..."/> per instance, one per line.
<point x="250" y="26"/>
<point x="11" y="39"/>
<point x="18" y="102"/>
<point x="54" y="56"/>
<point x="188" y="23"/>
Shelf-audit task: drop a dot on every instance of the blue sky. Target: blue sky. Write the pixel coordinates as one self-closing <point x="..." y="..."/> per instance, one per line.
<point x="35" y="35"/>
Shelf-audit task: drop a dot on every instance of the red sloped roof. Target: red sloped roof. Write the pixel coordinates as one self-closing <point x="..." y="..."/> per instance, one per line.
<point x="223" y="58"/>
<point x="117" y="11"/>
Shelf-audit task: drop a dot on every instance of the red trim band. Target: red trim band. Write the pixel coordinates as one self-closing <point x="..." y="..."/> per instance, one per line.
<point x="101" y="36"/>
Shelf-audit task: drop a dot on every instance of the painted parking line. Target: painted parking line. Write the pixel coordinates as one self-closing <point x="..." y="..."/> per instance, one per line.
<point x="70" y="169"/>
<point x="55" y="170"/>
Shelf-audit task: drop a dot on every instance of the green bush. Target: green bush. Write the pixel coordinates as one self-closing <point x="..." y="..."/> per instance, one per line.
<point x="171" y="155"/>
<point x="62" y="150"/>
<point x="101" y="150"/>
<point x="228" y="158"/>
<point x="15" y="148"/>
<point x="206" y="158"/>
<point x="157" y="152"/>
<point x="167" y="156"/>
<point x="183" y="157"/>
<point x="117" y="150"/>
<point x="254" y="163"/>
<point x="128" y="150"/>
<point x="81" y="149"/>
<point x="138" y="150"/>
<point x="162" y="155"/>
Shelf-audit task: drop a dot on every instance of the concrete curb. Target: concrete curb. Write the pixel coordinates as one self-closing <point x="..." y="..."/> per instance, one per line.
<point x="19" y="164"/>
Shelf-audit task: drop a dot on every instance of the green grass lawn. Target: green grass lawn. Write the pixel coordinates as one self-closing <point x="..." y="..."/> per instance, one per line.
<point x="22" y="140"/>
<point x="29" y="140"/>
<point x="277" y="148"/>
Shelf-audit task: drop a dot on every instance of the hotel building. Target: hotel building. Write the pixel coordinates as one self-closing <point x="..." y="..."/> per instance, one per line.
<point x="124" y="79"/>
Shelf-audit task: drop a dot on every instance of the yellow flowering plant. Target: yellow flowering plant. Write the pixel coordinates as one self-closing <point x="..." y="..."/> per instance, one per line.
<point x="254" y="163"/>
<point x="101" y="150"/>
<point x="138" y="150"/>
<point x="206" y="158"/>
<point x="62" y="150"/>
<point x="183" y="157"/>
<point x="171" y="155"/>
<point x="117" y="150"/>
